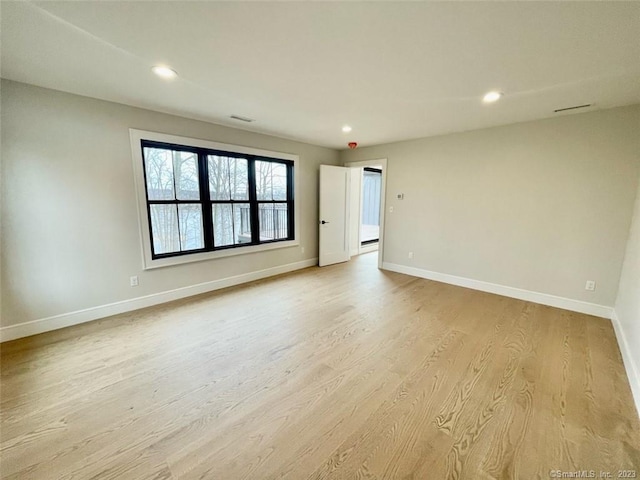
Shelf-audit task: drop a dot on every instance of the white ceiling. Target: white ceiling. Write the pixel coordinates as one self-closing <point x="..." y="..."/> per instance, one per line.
<point x="392" y="70"/>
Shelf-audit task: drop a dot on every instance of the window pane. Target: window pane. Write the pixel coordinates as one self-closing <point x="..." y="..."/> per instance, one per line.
<point x="219" y="178"/>
<point x="231" y="224"/>
<point x="228" y="178"/>
<point x="191" y="235"/>
<point x="264" y="186"/>
<point x="279" y="181"/>
<point x="158" y="167"/>
<point x="271" y="180"/>
<point x="164" y="223"/>
<point x="222" y="224"/>
<point x="185" y="167"/>
<point x="239" y="176"/>
<point x="273" y="220"/>
<point x="242" y="222"/>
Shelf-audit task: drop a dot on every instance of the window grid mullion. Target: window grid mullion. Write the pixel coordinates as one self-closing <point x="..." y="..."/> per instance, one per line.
<point x="205" y="199"/>
<point x="253" y="202"/>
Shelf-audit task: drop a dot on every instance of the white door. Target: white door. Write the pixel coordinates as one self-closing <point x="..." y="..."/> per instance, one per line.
<point x="334" y="214"/>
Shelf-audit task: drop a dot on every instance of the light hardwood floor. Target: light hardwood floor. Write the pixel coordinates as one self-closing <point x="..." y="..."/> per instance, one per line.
<point x="345" y="372"/>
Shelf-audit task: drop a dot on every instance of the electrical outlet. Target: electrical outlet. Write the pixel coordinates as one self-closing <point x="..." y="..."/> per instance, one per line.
<point x="410" y="254"/>
<point x="301" y="249"/>
<point x="133" y="281"/>
<point x="590" y="285"/>
<point x="390" y="209"/>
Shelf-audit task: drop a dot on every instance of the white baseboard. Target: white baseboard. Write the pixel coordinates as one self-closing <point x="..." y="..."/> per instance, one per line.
<point x="536" y="297"/>
<point x="42" y="325"/>
<point x="633" y="370"/>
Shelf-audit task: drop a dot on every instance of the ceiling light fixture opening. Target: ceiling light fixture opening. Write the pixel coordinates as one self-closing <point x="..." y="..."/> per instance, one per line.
<point x="346" y="129"/>
<point x="164" y="72"/>
<point x="492" y="96"/>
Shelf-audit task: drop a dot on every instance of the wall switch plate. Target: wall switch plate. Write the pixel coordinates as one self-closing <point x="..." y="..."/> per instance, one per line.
<point x="401" y="196"/>
<point x="410" y="254"/>
<point x="133" y="281"/>
<point x="590" y="285"/>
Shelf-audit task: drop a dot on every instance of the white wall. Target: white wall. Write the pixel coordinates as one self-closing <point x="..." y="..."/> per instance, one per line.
<point x="541" y="206"/>
<point x="70" y="236"/>
<point x="627" y="309"/>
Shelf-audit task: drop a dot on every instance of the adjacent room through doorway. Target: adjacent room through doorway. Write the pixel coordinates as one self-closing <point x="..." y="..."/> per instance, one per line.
<point x="366" y="216"/>
<point x="370" y="210"/>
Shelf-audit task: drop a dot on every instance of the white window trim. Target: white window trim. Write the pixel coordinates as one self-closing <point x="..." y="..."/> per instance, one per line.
<point x="148" y="262"/>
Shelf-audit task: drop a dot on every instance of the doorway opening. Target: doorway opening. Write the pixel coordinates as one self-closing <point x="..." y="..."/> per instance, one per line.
<point x="366" y="207"/>
<point x="370" y="206"/>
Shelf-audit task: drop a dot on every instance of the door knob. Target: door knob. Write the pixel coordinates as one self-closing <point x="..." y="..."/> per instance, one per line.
<point x="323" y="222"/>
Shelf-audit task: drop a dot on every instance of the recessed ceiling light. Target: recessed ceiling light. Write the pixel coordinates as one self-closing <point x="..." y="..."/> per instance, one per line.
<point x="346" y="129"/>
<point x="164" y="72"/>
<point x="491" y="97"/>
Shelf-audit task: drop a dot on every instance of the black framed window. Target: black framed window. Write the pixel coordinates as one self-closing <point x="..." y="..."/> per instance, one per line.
<point x="201" y="200"/>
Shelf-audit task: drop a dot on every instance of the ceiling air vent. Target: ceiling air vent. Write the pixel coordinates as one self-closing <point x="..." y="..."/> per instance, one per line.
<point x="242" y="119"/>
<point x="572" y="108"/>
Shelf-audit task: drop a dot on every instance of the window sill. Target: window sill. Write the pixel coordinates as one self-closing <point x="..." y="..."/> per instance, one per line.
<point x="201" y="257"/>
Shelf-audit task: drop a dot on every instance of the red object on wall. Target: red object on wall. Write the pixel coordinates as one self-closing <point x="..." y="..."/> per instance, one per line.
<point x="352" y="145"/>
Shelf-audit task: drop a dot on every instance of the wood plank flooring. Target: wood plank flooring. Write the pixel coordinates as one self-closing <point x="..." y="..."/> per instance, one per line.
<point x="344" y="372"/>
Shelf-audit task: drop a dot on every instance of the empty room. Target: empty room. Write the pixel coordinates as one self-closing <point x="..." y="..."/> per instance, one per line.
<point x="319" y="240"/>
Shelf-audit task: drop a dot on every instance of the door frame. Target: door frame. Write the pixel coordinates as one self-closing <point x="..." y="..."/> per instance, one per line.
<point x="382" y="162"/>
